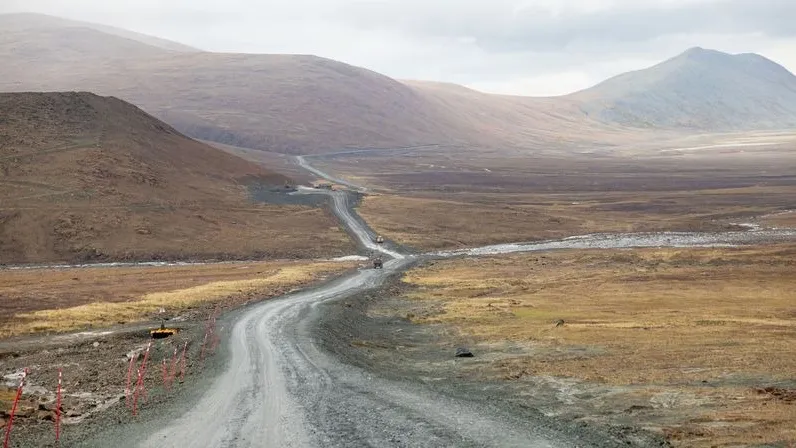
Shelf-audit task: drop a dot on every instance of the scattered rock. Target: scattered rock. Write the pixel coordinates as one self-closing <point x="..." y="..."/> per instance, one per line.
<point x="95" y="344"/>
<point x="462" y="352"/>
<point x="136" y="353"/>
<point x="786" y="395"/>
<point x="25" y="412"/>
<point x="560" y="323"/>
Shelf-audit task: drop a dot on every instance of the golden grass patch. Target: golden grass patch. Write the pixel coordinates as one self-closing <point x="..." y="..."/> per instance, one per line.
<point x="669" y="318"/>
<point x="80" y="298"/>
<point x="664" y="311"/>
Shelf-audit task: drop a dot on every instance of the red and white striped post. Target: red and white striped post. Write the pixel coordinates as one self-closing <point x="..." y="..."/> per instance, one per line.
<point x="139" y="387"/>
<point x="127" y="390"/>
<point x="145" y="365"/>
<point x="58" y="408"/>
<point x="165" y="374"/>
<point x="210" y="325"/>
<point x="182" y="366"/>
<point x="14" y="407"/>
<point x="215" y="314"/>
<point x="202" y="350"/>
<point x="174" y="366"/>
<point x="216" y="340"/>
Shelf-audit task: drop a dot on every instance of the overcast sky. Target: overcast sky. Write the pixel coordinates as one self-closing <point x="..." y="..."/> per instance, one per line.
<point x="527" y="47"/>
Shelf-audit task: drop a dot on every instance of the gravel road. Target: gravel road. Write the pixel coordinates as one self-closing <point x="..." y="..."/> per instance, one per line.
<point x="302" y="161"/>
<point x="280" y="389"/>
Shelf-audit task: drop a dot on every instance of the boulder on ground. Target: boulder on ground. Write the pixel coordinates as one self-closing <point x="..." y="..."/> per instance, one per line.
<point x="462" y="352"/>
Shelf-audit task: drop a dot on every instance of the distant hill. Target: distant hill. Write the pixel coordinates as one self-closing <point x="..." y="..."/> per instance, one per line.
<point x="32" y="23"/>
<point x="285" y="103"/>
<point x="84" y="177"/>
<point x="699" y="89"/>
<point x="296" y="104"/>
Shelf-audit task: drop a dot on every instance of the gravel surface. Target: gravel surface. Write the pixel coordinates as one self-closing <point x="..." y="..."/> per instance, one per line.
<point x="302" y="161"/>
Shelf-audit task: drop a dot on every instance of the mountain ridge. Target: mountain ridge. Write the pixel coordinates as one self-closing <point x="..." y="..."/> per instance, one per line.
<point x="284" y="103"/>
<point x="297" y="104"/>
<point x="699" y="89"/>
<point x="27" y="20"/>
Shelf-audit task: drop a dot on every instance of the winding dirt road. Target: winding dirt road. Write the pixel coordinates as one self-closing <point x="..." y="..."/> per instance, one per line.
<point x="280" y="389"/>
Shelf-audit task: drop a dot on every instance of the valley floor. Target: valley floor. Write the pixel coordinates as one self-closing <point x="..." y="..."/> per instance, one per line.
<point x="685" y="345"/>
<point x="448" y="197"/>
<point x="692" y="344"/>
<point x="434" y="221"/>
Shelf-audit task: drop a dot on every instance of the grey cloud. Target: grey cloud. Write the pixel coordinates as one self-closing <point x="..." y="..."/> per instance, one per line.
<point x="464" y="41"/>
<point x="498" y="26"/>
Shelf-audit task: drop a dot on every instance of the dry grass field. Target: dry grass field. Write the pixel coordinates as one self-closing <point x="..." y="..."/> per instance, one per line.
<point x="435" y="221"/>
<point x="445" y="197"/>
<point x="656" y="164"/>
<point x="717" y="326"/>
<point x="37" y="300"/>
<point x="785" y="219"/>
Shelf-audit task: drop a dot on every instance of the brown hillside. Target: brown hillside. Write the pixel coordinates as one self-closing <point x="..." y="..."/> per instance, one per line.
<point x="305" y="104"/>
<point x="530" y="122"/>
<point x="284" y="103"/>
<point x="84" y="177"/>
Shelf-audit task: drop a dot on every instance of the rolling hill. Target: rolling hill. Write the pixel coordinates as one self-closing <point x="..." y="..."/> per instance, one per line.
<point x="297" y="104"/>
<point x="33" y="23"/>
<point x="700" y="90"/>
<point x="84" y="177"/>
<point x="285" y="103"/>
